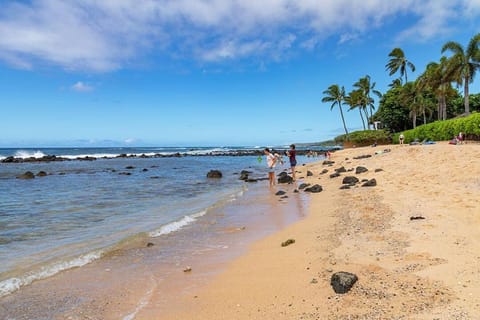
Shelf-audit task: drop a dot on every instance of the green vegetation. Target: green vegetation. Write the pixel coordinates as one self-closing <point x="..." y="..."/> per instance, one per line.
<point x="364" y="138"/>
<point x="426" y="100"/>
<point x="444" y="130"/>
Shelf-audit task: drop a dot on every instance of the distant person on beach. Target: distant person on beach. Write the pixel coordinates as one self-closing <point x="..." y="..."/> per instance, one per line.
<point x="460" y="138"/>
<point x="278" y="157"/>
<point x="454" y="140"/>
<point x="271" y="161"/>
<point x="401" y="138"/>
<point x="293" y="160"/>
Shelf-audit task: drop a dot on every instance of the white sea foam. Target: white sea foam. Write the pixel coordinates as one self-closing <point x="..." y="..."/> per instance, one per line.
<point x="142" y="303"/>
<point x="176" y="225"/>
<point x="206" y="151"/>
<point x="11" y="285"/>
<point x="29" y="154"/>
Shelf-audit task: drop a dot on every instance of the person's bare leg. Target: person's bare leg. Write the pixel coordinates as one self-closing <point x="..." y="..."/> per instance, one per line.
<point x="271" y="178"/>
<point x="293" y="173"/>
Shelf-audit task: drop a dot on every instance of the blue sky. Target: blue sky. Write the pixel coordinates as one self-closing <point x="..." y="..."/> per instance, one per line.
<point x="204" y="72"/>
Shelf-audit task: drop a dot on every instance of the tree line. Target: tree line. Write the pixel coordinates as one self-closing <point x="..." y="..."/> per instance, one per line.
<point x="432" y="96"/>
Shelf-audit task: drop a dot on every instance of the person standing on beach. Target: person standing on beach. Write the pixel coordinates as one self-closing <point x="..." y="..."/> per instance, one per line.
<point x="271" y="161"/>
<point x="293" y="160"/>
<point x="401" y="138"/>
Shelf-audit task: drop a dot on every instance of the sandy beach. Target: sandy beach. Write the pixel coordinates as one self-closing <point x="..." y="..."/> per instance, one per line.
<point x="413" y="240"/>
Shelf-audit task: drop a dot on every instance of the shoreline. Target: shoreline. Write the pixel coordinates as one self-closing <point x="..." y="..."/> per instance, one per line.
<point x="413" y="241"/>
<point x="150" y="155"/>
<point x="126" y="276"/>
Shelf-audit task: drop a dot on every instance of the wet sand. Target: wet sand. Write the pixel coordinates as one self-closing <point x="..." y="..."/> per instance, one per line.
<point x="138" y="278"/>
<point x="407" y="268"/>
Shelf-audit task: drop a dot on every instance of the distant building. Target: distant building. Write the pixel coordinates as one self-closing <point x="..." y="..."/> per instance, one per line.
<point x="377" y="125"/>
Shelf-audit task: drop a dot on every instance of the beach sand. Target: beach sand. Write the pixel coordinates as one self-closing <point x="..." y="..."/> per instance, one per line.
<point x="408" y="269"/>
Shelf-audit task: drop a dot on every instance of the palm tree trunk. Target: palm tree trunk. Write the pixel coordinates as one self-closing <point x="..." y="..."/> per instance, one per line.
<point x="424" y="116"/>
<point x="363" y="121"/>
<point x="439" y="107"/>
<point x="444" y="108"/>
<point x="367" y="120"/>
<point x="467" y="100"/>
<point x="343" y="119"/>
<point x="414" y="119"/>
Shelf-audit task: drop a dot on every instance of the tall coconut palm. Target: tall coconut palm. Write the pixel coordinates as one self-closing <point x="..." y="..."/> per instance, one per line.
<point x="366" y="86"/>
<point x="409" y="97"/>
<point x="435" y="78"/>
<point x="336" y="95"/>
<point x="354" y="100"/>
<point x="399" y="62"/>
<point x="413" y="97"/>
<point x="463" y="64"/>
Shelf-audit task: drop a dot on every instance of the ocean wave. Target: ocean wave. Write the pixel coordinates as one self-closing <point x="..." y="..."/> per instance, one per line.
<point x="176" y="225"/>
<point x="29" y="154"/>
<point x="11" y="285"/>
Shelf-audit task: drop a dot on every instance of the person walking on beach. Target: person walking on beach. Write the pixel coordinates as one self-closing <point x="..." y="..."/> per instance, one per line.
<point x="293" y="160"/>
<point x="271" y="161"/>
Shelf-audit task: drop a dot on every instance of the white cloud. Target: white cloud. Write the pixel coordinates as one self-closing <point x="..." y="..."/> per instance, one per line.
<point x="435" y="23"/>
<point x="130" y="141"/>
<point x="82" y="87"/>
<point x="101" y="36"/>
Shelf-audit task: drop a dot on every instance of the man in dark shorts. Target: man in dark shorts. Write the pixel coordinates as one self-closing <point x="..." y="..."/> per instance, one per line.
<point x="293" y="160"/>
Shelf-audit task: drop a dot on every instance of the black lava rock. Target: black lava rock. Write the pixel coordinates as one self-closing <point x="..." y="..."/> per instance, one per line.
<point x="360" y="170"/>
<point x="214" y="174"/>
<point x="350" y="180"/>
<point x="342" y="281"/>
<point x="314" y="189"/>
<point x="284" y="178"/>
<point x="370" y="183"/>
<point x="334" y="175"/>
<point x="303" y="186"/>
<point x="26" y="175"/>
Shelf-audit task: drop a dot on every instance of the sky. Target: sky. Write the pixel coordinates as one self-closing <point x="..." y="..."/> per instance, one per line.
<point x="204" y="72"/>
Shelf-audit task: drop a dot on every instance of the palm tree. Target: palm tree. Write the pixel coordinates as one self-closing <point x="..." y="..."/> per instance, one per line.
<point x="409" y="97"/>
<point x="463" y="64"/>
<point x="396" y="83"/>
<point x="398" y="62"/>
<point x="435" y="78"/>
<point x="336" y="95"/>
<point x="414" y="98"/>
<point x="366" y="87"/>
<point x="354" y="100"/>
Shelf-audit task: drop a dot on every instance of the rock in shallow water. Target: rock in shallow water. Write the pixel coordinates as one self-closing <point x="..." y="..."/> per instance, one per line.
<point x="26" y="175"/>
<point x="214" y="174"/>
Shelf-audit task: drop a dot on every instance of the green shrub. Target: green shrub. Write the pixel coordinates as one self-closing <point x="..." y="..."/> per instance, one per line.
<point x="444" y="130"/>
<point x="364" y="138"/>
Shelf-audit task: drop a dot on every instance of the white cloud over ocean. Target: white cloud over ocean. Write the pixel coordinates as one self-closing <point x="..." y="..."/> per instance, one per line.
<point x="106" y="35"/>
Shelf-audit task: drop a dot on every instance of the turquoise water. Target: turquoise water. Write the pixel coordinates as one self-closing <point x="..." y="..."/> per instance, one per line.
<point x="83" y="209"/>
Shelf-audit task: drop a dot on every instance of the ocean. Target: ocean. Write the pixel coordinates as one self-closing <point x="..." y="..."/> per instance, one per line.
<point x="82" y="210"/>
